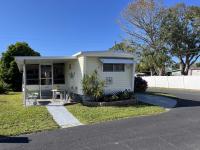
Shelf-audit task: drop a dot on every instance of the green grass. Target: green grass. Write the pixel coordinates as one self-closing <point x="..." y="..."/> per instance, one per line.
<point x="89" y="115"/>
<point x="16" y="119"/>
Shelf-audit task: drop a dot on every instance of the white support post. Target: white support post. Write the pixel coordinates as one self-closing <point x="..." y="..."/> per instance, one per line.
<point x="40" y="80"/>
<point x="24" y="79"/>
<point x="133" y="76"/>
<point x="52" y="69"/>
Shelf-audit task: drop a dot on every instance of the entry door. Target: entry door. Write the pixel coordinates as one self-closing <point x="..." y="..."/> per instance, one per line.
<point x="46" y="81"/>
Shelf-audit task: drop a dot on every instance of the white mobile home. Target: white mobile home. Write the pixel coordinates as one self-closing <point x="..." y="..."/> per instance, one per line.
<point x="46" y="75"/>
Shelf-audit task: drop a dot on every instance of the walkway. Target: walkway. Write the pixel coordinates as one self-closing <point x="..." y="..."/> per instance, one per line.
<point x="157" y="100"/>
<point x="63" y="117"/>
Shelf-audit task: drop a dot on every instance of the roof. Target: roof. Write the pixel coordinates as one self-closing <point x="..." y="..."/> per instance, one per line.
<point x="116" y="61"/>
<point x="43" y="57"/>
<point x="119" y="54"/>
<point x="102" y="54"/>
<point x="20" y="60"/>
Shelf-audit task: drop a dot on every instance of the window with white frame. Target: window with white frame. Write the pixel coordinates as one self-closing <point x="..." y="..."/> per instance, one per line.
<point x="113" y="68"/>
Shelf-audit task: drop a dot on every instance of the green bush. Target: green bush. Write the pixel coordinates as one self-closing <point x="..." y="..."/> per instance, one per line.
<point x="117" y="96"/>
<point x="140" y="85"/>
<point x="3" y="87"/>
<point x="92" y="85"/>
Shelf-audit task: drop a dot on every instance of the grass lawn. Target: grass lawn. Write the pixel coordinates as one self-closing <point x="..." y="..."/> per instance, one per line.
<point x="16" y="119"/>
<point x="89" y="115"/>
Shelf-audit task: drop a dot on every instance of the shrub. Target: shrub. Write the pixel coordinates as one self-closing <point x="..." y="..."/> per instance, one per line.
<point x="3" y="87"/>
<point x="92" y="85"/>
<point x="117" y="96"/>
<point x="140" y="85"/>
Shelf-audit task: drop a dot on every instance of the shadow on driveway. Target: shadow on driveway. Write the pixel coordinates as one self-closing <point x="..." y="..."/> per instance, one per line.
<point x="180" y="102"/>
<point x="10" y="139"/>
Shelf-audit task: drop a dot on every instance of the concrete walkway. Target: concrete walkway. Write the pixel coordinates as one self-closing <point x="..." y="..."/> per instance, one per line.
<point x="157" y="100"/>
<point x="63" y="117"/>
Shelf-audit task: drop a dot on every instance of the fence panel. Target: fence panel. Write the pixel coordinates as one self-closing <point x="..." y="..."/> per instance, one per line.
<point x="182" y="82"/>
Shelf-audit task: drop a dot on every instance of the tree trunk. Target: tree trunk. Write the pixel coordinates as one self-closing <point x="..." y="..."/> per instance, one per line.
<point x="184" y="69"/>
<point x="161" y="71"/>
<point x="151" y="71"/>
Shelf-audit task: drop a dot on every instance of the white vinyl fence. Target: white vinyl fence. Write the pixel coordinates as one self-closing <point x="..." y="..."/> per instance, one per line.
<point x="182" y="82"/>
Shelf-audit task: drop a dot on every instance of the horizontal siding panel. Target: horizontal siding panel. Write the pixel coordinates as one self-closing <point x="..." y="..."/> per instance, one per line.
<point x="121" y="80"/>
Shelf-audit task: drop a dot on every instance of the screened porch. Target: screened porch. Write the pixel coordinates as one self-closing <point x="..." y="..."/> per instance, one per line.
<point x="44" y="80"/>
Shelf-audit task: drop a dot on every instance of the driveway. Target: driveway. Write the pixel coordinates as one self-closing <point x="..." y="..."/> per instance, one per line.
<point x="178" y="129"/>
<point x="162" y="101"/>
<point x="187" y="98"/>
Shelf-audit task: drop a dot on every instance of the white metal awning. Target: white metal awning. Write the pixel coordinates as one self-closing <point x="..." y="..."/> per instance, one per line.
<point x="116" y="61"/>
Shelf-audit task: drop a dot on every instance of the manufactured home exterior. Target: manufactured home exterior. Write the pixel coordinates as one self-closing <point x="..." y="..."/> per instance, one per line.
<point x="44" y="74"/>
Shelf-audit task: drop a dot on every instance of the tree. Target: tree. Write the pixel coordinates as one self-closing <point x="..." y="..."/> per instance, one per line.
<point x="154" y="62"/>
<point x="181" y="29"/>
<point x="198" y="64"/>
<point x="122" y="46"/>
<point x="142" y="20"/>
<point x="9" y="72"/>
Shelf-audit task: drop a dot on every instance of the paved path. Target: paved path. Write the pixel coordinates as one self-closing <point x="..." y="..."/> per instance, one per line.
<point x="178" y="129"/>
<point x="157" y="100"/>
<point x="62" y="116"/>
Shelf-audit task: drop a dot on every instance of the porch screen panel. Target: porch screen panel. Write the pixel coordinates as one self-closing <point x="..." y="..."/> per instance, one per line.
<point x="59" y="73"/>
<point x="46" y="75"/>
<point x="32" y="74"/>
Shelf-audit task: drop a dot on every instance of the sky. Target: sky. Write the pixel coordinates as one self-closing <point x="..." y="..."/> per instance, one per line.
<point x="64" y="27"/>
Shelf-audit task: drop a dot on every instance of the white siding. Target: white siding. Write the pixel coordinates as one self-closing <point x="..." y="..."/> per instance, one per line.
<point x="121" y="80"/>
<point x="75" y="75"/>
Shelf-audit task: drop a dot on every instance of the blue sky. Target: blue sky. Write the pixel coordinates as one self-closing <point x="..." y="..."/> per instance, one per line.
<point x="64" y="27"/>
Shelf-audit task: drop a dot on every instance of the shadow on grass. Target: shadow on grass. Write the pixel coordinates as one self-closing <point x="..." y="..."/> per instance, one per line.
<point x="180" y="102"/>
<point x="10" y="139"/>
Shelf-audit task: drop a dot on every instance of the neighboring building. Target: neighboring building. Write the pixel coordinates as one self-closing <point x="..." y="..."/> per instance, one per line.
<point x="176" y="72"/>
<point x="43" y="75"/>
<point x="193" y="71"/>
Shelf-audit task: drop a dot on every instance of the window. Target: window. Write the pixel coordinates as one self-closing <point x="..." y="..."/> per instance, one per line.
<point x="32" y="74"/>
<point x="107" y="67"/>
<point x="113" y="68"/>
<point x="59" y="73"/>
<point x="118" y="67"/>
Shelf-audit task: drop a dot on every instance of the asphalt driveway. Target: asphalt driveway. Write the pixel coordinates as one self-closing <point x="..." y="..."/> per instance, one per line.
<point x="187" y="98"/>
<point x="178" y="129"/>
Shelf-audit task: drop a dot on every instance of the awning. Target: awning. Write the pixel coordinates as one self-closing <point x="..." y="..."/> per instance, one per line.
<point x="116" y="61"/>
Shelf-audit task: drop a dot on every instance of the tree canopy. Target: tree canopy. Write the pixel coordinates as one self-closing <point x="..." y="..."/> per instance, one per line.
<point x="122" y="46"/>
<point x="181" y="29"/>
<point x="142" y="20"/>
<point x="163" y="33"/>
<point x="9" y="72"/>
